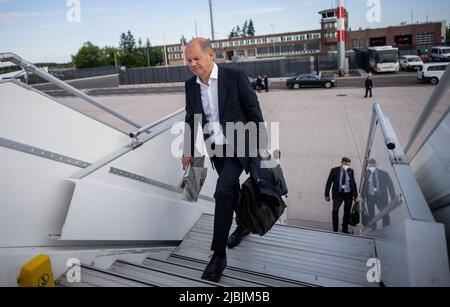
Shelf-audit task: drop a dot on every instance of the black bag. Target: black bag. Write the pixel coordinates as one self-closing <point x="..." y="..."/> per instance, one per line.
<point x="365" y="219"/>
<point x="354" y="215"/>
<point x="257" y="212"/>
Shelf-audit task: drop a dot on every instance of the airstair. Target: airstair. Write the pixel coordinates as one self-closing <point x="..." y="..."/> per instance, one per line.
<point x="286" y="257"/>
<point x="74" y="187"/>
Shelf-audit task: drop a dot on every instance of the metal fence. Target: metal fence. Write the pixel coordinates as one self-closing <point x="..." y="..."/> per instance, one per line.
<point x="273" y="68"/>
<point x="71" y="74"/>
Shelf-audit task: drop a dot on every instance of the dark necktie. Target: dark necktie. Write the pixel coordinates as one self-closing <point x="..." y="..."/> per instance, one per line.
<point x="344" y="179"/>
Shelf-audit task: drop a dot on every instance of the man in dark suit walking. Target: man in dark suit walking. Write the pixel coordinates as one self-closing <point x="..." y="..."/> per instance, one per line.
<point x="220" y="96"/>
<point x="378" y="186"/>
<point x="369" y="85"/>
<point x="342" y="179"/>
<point x="266" y="83"/>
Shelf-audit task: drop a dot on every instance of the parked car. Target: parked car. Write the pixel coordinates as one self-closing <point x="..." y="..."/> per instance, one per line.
<point x="440" y="54"/>
<point x="310" y="80"/>
<point x="432" y="72"/>
<point x="410" y="62"/>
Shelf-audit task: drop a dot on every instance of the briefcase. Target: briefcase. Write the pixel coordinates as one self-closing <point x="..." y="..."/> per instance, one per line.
<point x="354" y="218"/>
<point x="255" y="212"/>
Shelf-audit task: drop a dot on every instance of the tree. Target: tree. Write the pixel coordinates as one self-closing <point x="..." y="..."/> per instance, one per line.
<point x="248" y="29"/>
<point x="244" y="29"/>
<point x="232" y="33"/>
<point x="108" y="56"/>
<point x="448" y="35"/>
<point x="130" y="56"/>
<point x="88" y="56"/>
<point x="127" y="42"/>
<point x="156" y="57"/>
<point x="183" y="40"/>
<point x="251" y="29"/>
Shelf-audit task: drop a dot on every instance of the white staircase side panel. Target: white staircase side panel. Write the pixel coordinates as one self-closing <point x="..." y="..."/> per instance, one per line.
<point x="103" y="212"/>
<point x="34" y="198"/>
<point x="35" y="194"/>
<point x="122" y="208"/>
<point x="413" y="254"/>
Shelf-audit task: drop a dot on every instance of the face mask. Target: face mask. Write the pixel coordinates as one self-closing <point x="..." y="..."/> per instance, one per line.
<point x="345" y="167"/>
<point x="372" y="169"/>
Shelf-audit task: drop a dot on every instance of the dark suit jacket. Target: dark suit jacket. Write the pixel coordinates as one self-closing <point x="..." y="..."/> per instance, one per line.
<point x="333" y="180"/>
<point x="385" y="186"/>
<point x="369" y="83"/>
<point x="237" y="103"/>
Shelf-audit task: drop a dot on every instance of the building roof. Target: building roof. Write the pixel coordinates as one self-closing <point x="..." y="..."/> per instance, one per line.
<point x="328" y="11"/>
<point x="401" y="26"/>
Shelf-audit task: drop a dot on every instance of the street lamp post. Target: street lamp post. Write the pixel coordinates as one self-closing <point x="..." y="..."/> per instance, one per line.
<point x="115" y="61"/>
<point x="273" y="37"/>
<point x="148" y="57"/>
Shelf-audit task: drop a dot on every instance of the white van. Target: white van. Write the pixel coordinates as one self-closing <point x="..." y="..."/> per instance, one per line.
<point x="440" y="54"/>
<point x="432" y="72"/>
<point x="410" y="62"/>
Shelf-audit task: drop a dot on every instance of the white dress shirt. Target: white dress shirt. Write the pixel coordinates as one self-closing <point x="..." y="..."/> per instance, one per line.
<point x="210" y="102"/>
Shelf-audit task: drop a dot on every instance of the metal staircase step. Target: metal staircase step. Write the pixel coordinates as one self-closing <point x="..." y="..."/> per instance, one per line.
<point x="291" y="254"/>
<point x="95" y="277"/>
<point x="260" y="280"/>
<point x="157" y="276"/>
<point x="194" y="269"/>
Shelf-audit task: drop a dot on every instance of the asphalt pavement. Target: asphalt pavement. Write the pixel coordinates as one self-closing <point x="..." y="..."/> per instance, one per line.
<point x="109" y="85"/>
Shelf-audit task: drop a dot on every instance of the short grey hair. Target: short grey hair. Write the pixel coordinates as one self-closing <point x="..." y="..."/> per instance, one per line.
<point x="205" y="44"/>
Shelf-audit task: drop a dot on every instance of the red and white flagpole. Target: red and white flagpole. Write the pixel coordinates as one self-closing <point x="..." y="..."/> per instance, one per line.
<point x="341" y="36"/>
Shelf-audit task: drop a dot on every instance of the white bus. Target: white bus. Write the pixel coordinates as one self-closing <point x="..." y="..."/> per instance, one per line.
<point x="383" y="59"/>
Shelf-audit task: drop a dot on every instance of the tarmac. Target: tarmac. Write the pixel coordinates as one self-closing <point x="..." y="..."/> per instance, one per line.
<point x="317" y="128"/>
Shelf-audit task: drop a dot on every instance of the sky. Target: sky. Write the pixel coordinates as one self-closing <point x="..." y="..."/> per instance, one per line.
<point x="40" y="31"/>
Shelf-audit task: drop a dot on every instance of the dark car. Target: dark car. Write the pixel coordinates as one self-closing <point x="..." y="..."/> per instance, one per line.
<point x="310" y="80"/>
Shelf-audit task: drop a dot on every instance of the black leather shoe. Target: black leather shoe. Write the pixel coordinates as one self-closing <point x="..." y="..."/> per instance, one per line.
<point x="214" y="269"/>
<point x="237" y="236"/>
<point x="346" y="232"/>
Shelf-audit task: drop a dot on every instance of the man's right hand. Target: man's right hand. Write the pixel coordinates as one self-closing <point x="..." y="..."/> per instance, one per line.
<point x="327" y="198"/>
<point x="186" y="161"/>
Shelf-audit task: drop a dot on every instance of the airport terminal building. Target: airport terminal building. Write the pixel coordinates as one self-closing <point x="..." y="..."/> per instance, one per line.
<point x="319" y="41"/>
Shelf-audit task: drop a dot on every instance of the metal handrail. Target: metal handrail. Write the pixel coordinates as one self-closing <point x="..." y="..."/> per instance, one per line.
<point x="156" y="123"/>
<point x="388" y="138"/>
<point x="390" y="141"/>
<point x="435" y="98"/>
<point x="13" y="58"/>
<point x="398" y="161"/>
<point x="168" y="121"/>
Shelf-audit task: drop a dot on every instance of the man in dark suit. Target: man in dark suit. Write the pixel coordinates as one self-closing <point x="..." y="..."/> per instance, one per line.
<point x="368" y="85"/>
<point x="215" y="97"/>
<point x="378" y="186"/>
<point x="342" y="179"/>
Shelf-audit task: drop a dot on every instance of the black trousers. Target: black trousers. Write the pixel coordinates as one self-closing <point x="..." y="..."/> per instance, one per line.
<point x="347" y="198"/>
<point x="227" y="197"/>
<point x="368" y="90"/>
<point x="380" y="203"/>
